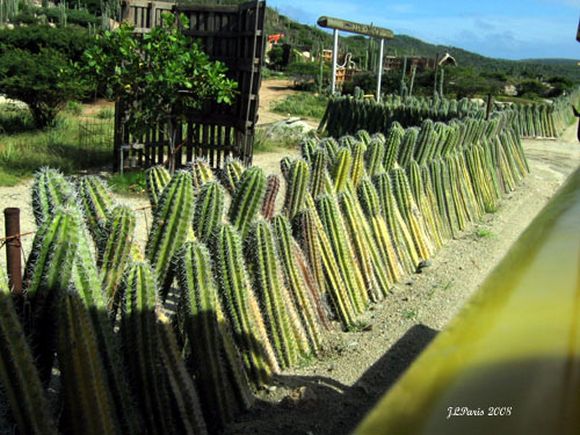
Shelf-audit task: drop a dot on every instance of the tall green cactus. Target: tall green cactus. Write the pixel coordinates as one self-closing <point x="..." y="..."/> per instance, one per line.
<point x="19" y="378"/>
<point x="242" y="309"/>
<point x="201" y="172"/>
<point x="334" y="225"/>
<point x="318" y="172"/>
<point x="272" y="189"/>
<point x="116" y="252"/>
<point x="341" y="169"/>
<point x="49" y="191"/>
<point x="357" y="171"/>
<point x="374" y="157"/>
<point x="172" y="219"/>
<point x="272" y="294"/>
<point x="87" y="396"/>
<point x="407" y="147"/>
<point x="185" y="396"/>
<point x="87" y="282"/>
<point x="392" y="145"/>
<point x="48" y="272"/>
<point x="305" y="295"/>
<point x="96" y="201"/>
<point x="156" y="178"/>
<point x="247" y="200"/>
<point x="222" y="394"/>
<point x="141" y="343"/>
<point x="297" y="187"/>
<point x="209" y="211"/>
<point x="232" y="174"/>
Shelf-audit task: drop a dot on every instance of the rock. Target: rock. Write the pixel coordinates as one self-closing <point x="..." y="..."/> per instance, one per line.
<point x="422" y="265"/>
<point x="301" y="396"/>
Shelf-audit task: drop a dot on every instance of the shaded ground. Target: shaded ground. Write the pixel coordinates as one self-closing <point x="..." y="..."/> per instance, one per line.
<point x="332" y="394"/>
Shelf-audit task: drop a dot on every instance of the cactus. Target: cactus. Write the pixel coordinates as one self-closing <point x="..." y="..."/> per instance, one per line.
<point x="392" y="145"/>
<point x="357" y="171"/>
<point x="241" y="307"/>
<point x="88" y="405"/>
<point x="221" y="395"/>
<point x="302" y="289"/>
<point x="318" y="172"/>
<point x="336" y="230"/>
<point x="141" y="343"/>
<point x="297" y="185"/>
<point x="374" y="157"/>
<point x="87" y="283"/>
<point x="232" y="174"/>
<point x="407" y="147"/>
<point x="307" y="148"/>
<point x="48" y="272"/>
<point x="201" y="172"/>
<point x="247" y="200"/>
<point x="184" y="393"/>
<point x="116" y="252"/>
<point x="171" y="223"/>
<point x="341" y="169"/>
<point x="285" y="165"/>
<point x="272" y="189"/>
<point x="49" y="191"/>
<point x="19" y="377"/>
<point x="156" y="178"/>
<point x="96" y="201"/>
<point x="272" y="296"/>
<point x="208" y="211"/>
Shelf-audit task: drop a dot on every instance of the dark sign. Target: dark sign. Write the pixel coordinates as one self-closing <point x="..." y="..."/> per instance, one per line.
<point x="361" y="29"/>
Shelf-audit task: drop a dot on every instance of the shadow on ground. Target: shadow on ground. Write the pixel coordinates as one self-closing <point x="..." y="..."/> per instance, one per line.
<point x="320" y="405"/>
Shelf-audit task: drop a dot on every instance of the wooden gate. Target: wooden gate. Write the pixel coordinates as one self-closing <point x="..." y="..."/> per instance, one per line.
<point x="233" y="34"/>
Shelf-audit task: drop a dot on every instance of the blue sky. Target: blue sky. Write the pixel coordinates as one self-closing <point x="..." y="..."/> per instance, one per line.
<point x="511" y="29"/>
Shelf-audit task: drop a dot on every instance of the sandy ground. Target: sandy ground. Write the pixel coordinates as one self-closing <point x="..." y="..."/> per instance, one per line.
<point x="272" y="90"/>
<point x="331" y="395"/>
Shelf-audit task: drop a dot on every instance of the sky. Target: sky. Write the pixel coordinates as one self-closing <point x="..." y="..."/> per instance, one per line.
<point x="510" y="29"/>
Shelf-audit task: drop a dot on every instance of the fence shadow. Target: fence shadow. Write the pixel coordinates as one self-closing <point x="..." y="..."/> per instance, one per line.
<point x="321" y="405"/>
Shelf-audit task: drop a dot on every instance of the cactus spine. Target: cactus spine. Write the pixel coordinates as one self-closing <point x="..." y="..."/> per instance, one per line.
<point x="247" y="200"/>
<point x="171" y="224"/>
<point x="18" y="375"/>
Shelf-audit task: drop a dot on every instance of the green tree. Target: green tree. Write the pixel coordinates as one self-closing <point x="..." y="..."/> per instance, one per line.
<point x="45" y="81"/>
<point x="160" y="76"/>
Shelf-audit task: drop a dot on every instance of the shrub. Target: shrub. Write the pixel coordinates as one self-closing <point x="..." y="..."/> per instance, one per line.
<point x="44" y="81"/>
<point x="15" y="119"/>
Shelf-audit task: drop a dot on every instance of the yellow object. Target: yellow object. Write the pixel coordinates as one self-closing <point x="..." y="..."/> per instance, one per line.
<point x="510" y="362"/>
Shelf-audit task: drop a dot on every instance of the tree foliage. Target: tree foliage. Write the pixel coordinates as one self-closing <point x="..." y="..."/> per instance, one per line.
<point x="160" y="76"/>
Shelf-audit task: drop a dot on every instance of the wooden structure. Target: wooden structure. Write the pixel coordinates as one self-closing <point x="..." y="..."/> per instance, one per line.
<point x="360" y="29"/>
<point x="233" y="34"/>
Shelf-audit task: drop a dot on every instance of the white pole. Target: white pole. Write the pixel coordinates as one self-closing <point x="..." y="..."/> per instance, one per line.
<point x="380" y="75"/>
<point x="334" y="61"/>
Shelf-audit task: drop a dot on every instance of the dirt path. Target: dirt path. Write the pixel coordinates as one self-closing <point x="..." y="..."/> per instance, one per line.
<point x="273" y="90"/>
<point x="332" y="394"/>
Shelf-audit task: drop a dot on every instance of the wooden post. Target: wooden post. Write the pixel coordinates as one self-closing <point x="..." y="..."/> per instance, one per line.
<point x="334" y="61"/>
<point x="381" y="65"/>
<point x="13" y="258"/>
<point x="489" y="108"/>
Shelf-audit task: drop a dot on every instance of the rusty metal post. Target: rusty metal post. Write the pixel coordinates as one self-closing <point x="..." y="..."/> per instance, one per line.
<point x="489" y="107"/>
<point x="13" y="258"/>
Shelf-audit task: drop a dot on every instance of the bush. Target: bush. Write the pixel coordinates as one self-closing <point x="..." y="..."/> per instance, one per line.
<point x="14" y="119"/>
<point x="45" y="81"/>
<point x="303" y="104"/>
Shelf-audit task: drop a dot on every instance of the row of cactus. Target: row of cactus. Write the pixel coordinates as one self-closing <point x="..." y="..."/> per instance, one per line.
<point x="177" y="337"/>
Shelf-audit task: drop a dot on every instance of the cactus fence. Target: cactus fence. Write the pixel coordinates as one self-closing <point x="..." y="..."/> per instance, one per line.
<point x="175" y="336"/>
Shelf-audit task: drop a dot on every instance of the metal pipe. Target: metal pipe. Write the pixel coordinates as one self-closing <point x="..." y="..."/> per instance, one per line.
<point x="380" y="75"/>
<point x="334" y="60"/>
<point x="13" y="259"/>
